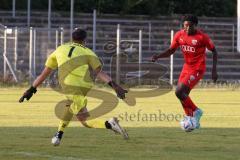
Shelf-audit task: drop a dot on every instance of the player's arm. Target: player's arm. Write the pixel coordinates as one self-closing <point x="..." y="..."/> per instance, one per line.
<point x="170" y="51"/>
<point x="96" y="65"/>
<point x="107" y="79"/>
<point x="210" y="46"/>
<point x="50" y="64"/>
<point x="165" y="54"/>
<point x="39" y="80"/>
<point x="214" y="65"/>
<point x="33" y="89"/>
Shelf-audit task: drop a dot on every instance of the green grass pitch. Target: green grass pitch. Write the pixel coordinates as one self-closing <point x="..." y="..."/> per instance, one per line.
<point x="26" y="129"/>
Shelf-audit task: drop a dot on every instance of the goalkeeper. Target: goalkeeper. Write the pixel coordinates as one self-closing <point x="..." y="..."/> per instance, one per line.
<point x="75" y="55"/>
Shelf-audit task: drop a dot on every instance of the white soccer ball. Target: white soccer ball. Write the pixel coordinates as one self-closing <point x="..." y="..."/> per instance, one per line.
<point x="188" y="124"/>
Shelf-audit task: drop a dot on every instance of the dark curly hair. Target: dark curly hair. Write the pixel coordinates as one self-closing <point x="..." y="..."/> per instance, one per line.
<point x="79" y="35"/>
<point x="191" y="18"/>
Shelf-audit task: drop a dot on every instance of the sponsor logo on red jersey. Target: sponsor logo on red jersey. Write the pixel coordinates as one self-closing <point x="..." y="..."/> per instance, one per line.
<point x="194" y="42"/>
<point x="186" y="48"/>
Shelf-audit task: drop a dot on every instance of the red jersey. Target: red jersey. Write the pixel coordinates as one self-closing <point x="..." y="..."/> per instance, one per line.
<point x="193" y="47"/>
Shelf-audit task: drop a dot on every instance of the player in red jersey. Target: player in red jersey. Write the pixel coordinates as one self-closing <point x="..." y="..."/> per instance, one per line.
<point x="193" y="44"/>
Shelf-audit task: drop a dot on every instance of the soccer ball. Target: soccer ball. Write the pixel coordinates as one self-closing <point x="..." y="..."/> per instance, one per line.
<point x="188" y="124"/>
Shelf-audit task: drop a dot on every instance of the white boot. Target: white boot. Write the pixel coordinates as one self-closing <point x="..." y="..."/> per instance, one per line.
<point x="117" y="128"/>
<point x="56" y="140"/>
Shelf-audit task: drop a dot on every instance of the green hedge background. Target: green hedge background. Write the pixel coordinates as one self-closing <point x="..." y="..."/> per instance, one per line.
<point x="216" y="8"/>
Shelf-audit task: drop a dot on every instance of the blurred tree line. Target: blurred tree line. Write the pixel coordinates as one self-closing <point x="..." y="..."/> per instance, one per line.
<point x="217" y="8"/>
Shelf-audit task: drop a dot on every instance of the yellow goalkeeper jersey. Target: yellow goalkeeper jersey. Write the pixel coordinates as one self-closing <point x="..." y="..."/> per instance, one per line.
<point x="72" y="61"/>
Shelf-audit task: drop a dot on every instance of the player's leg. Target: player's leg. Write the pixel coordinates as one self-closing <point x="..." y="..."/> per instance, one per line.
<point x="186" y="84"/>
<point x="65" y="120"/>
<point x="193" y="79"/>
<point x="83" y="115"/>
<point x="72" y="107"/>
<point x="182" y="93"/>
<point x="183" y="90"/>
<point x="112" y="123"/>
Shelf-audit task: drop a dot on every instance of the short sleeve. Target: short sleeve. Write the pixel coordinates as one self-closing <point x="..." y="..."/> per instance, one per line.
<point x="52" y="61"/>
<point x="208" y="42"/>
<point x="175" y="42"/>
<point x="94" y="61"/>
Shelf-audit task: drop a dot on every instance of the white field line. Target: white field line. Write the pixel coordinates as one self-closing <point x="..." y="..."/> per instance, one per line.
<point x="219" y="115"/>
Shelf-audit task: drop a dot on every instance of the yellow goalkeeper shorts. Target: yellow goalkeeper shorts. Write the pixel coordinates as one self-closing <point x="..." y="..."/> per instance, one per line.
<point x="78" y="102"/>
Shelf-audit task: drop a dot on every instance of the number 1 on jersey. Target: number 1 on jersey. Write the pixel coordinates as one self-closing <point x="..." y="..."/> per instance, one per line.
<point x="70" y="52"/>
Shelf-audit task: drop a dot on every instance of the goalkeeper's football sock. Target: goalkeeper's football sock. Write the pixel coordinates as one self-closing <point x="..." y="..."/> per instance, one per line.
<point x="108" y="125"/>
<point x="189" y="106"/>
<point x="67" y="116"/>
<point x="62" y="125"/>
<point x="59" y="134"/>
<point x="96" y="123"/>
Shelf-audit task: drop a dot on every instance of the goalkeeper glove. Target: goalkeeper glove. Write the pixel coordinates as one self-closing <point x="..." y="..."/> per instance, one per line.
<point x="28" y="94"/>
<point x="118" y="89"/>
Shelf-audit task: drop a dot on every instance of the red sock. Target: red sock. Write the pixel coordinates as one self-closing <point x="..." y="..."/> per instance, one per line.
<point x="188" y="111"/>
<point x="189" y="106"/>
